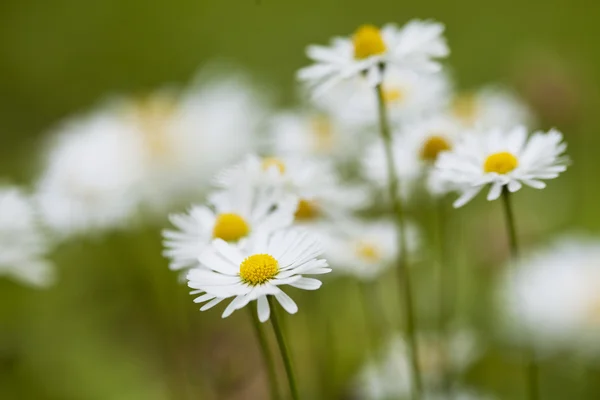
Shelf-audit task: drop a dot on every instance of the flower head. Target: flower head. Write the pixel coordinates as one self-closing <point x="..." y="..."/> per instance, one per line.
<point x="502" y="158"/>
<point x="257" y="271"/>
<point x="22" y="245"/>
<point x="370" y="50"/>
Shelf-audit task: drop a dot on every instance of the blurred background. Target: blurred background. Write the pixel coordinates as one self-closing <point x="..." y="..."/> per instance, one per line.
<point x="119" y="325"/>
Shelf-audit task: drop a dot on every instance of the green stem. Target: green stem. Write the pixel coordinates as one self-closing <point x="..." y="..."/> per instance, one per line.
<point x="267" y="357"/>
<point x="403" y="271"/>
<point x="531" y="366"/>
<point x="285" y="355"/>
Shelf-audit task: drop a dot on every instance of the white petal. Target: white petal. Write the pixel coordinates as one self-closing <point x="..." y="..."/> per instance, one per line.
<point x="211" y="304"/>
<point x="230" y="252"/>
<point x="466" y="197"/>
<point x="495" y="191"/>
<point x="514" y="185"/>
<point x="307" y="284"/>
<point x="264" y="311"/>
<point x="286" y="302"/>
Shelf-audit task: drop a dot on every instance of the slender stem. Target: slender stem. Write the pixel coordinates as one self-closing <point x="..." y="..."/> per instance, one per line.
<point x="267" y="356"/>
<point x="531" y="367"/>
<point x="403" y="271"/>
<point x="285" y="355"/>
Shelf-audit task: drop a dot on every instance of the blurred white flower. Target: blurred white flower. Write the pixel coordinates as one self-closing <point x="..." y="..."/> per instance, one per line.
<point x="363" y="249"/>
<point x="414" y="47"/>
<point x="552" y="298"/>
<point x="257" y="270"/>
<point x="501" y="158"/>
<point x="390" y="376"/>
<point x="22" y="244"/>
<point x="232" y="215"/>
<point x="409" y="96"/>
<point x="91" y="174"/>
<point x="490" y="107"/>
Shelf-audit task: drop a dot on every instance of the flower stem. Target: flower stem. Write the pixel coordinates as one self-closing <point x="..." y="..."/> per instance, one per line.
<point x="268" y="358"/>
<point x="285" y="355"/>
<point x="531" y="367"/>
<point x="403" y="271"/>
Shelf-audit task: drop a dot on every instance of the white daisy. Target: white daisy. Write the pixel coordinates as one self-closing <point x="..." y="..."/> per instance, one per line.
<point x="502" y="158"/>
<point x="232" y="215"/>
<point x="364" y="249"/>
<point x="370" y="50"/>
<point x="257" y="270"/>
<point x="409" y="96"/>
<point x="22" y="244"/>
<point x="92" y="171"/>
<point x="313" y="181"/>
<point x="490" y="107"/>
<point x="552" y="298"/>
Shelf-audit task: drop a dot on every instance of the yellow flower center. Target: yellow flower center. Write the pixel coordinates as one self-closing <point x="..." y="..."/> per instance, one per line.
<point x="367" y="42"/>
<point x="500" y="163"/>
<point x="433" y="147"/>
<point x="269" y="162"/>
<point x="230" y="227"/>
<point x="367" y="251"/>
<point x="152" y="115"/>
<point x="322" y="133"/>
<point x="307" y="210"/>
<point x="258" y="269"/>
<point x="393" y="95"/>
<point x="465" y="108"/>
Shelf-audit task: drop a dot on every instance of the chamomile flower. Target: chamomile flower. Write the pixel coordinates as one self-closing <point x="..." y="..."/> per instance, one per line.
<point x="409" y="96"/>
<point x="258" y="270"/>
<point x="22" y="244"/>
<point x="370" y="50"/>
<point x="364" y="249"/>
<point x="552" y="298"/>
<point x="232" y="215"/>
<point x="92" y="171"/>
<point x="313" y="181"/>
<point x="490" y="107"/>
<point x="390" y="377"/>
<point x="502" y="158"/>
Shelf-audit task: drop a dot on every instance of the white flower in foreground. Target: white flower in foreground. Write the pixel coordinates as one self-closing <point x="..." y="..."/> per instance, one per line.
<point x="370" y="50"/>
<point x="364" y="249"/>
<point x="22" y="245"/>
<point x="313" y="181"/>
<point x="502" y="158"/>
<point x="409" y="96"/>
<point x="232" y="215"/>
<point x="553" y="297"/>
<point x="490" y="107"/>
<point x="390" y="376"/>
<point x="257" y="270"/>
<point x="91" y="174"/>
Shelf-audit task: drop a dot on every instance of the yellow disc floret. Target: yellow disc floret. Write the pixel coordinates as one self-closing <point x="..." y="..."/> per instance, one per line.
<point x="367" y="251"/>
<point x="393" y="95"/>
<point x="269" y="162"/>
<point x="230" y="227"/>
<point x="258" y="269"/>
<point x="367" y="42"/>
<point x="307" y="210"/>
<point x="500" y="163"/>
<point x="433" y="146"/>
<point x="322" y="130"/>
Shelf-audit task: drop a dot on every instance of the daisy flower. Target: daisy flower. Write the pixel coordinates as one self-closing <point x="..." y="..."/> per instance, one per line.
<point x="364" y="249"/>
<point x="502" y="158"/>
<point x="490" y="107"/>
<point x="257" y="271"/>
<point x="22" y="244"/>
<point x="371" y="50"/>
<point x="232" y="215"/>
<point x="552" y="298"/>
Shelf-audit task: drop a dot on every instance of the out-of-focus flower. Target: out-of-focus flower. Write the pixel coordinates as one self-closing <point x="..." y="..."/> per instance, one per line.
<point x="364" y="249"/>
<point x="91" y="175"/>
<point x="257" y="270"/>
<point x="232" y="215"/>
<point x="414" y="47"/>
<point x="502" y="158"/>
<point x="390" y="376"/>
<point x="490" y="107"/>
<point x="22" y="244"/>
<point x="409" y="96"/>
<point x="552" y="299"/>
